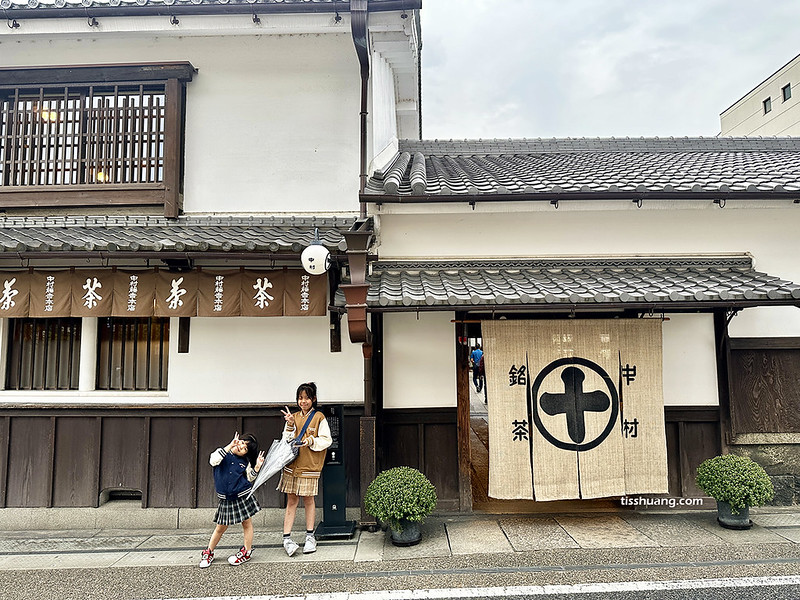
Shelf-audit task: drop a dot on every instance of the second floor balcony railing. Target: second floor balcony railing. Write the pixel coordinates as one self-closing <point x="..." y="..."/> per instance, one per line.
<point x="79" y="143"/>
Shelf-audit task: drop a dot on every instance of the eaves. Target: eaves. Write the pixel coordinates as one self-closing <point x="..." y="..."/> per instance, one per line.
<point x="637" y="196"/>
<point x="63" y="10"/>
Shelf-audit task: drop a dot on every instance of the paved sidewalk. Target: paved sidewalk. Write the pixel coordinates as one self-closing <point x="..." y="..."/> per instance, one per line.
<point x="443" y="536"/>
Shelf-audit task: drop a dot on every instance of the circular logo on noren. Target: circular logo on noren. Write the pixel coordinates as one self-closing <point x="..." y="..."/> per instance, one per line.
<point x="574" y="402"/>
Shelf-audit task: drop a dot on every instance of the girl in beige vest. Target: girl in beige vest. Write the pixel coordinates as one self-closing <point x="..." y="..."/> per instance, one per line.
<point x="300" y="478"/>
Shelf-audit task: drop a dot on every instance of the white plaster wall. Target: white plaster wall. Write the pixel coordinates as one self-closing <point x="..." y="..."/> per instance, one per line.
<point x="746" y="116"/>
<point x="296" y="150"/>
<point x="689" y="358"/>
<point x="263" y="360"/>
<point x="383" y="119"/>
<point x="271" y="120"/>
<point x="776" y="321"/>
<point x="768" y="233"/>
<point x="419" y="360"/>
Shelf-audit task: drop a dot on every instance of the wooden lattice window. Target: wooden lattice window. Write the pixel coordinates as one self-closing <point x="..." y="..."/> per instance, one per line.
<point x="44" y="354"/>
<point x="132" y="353"/>
<point x="69" y="132"/>
<point x="83" y="135"/>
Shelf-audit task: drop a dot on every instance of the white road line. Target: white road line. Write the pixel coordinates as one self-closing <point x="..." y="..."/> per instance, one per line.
<point x="532" y="590"/>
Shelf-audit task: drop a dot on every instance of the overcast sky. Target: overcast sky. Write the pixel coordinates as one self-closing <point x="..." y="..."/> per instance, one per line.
<point x="587" y="68"/>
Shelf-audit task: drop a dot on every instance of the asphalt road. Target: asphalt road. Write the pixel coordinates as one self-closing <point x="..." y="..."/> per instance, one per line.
<point x="519" y="569"/>
<point x="755" y="593"/>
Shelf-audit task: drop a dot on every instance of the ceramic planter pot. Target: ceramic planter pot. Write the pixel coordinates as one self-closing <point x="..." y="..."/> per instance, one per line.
<point x="730" y="520"/>
<point x="410" y="536"/>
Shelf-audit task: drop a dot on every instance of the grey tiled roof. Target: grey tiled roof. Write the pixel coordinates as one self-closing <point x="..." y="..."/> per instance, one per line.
<point x="670" y="281"/>
<point x="34" y="4"/>
<point x="284" y="5"/>
<point x="158" y="234"/>
<point x="669" y="167"/>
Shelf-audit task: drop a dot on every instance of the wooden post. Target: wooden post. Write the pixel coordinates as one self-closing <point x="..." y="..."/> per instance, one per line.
<point x="462" y="417"/>
<point x="723" y="377"/>
<point x="99" y="459"/>
<point x="5" y="446"/>
<point x="52" y="463"/>
<point x="367" y="435"/>
<point x="195" y="458"/>
<point x="173" y="125"/>
<point x="367" y="445"/>
<point x="146" y="465"/>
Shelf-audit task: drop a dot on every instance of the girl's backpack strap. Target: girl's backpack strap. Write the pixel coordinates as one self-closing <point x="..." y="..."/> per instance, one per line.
<point x="307" y="423"/>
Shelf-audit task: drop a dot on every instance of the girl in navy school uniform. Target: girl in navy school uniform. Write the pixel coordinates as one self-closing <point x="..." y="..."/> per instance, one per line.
<point x="235" y="468"/>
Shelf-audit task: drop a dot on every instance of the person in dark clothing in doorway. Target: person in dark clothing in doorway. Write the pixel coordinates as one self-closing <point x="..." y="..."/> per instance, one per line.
<point x="475" y="357"/>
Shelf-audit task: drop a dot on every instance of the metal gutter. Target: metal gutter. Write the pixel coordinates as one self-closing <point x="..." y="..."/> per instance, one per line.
<point x="359" y="18"/>
<point x="555" y="197"/>
<point x="106" y="255"/>
<point x="573" y="309"/>
<point x="22" y="11"/>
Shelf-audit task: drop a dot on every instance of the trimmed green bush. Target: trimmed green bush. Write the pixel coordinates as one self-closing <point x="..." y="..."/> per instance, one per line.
<point x="400" y="493"/>
<point x="736" y="480"/>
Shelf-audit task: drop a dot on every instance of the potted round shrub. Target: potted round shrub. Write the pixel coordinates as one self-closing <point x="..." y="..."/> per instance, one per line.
<point x="401" y="498"/>
<point x="736" y="483"/>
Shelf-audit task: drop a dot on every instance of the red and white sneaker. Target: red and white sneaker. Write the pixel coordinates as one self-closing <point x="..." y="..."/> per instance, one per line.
<point x="242" y="556"/>
<point x="206" y="558"/>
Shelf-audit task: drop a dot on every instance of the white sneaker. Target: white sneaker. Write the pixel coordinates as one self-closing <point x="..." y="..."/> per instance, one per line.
<point x="206" y="558"/>
<point x="242" y="556"/>
<point x="310" y="545"/>
<point x="290" y="546"/>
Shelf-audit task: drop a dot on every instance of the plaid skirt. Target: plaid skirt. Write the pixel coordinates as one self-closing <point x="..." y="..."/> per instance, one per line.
<point x="299" y="486"/>
<point x="235" y="511"/>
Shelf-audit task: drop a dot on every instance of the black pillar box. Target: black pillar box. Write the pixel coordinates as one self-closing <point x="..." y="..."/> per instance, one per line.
<point x="334" y="522"/>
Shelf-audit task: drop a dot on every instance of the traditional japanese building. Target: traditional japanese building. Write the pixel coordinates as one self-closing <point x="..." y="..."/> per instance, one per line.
<point x="618" y="285"/>
<point x="164" y="164"/>
<point x="162" y="167"/>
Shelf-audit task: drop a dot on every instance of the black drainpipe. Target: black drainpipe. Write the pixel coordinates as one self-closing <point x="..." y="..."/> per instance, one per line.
<point x="359" y="16"/>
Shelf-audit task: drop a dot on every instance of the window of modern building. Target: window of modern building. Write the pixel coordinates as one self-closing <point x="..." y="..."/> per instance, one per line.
<point x="93" y="135"/>
<point x="786" y="91"/>
<point x="767" y="105"/>
<point x="43" y="354"/>
<point x="132" y="353"/>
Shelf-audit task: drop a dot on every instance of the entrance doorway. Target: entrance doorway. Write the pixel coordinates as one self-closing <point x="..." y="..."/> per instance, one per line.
<point x="477" y="404"/>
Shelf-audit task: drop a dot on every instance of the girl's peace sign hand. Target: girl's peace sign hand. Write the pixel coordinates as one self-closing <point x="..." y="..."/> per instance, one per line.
<point x="287" y="414"/>
<point x="234" y="441"/>
<point x="260" y="460"/>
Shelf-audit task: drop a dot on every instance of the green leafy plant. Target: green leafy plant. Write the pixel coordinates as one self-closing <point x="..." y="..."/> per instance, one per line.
<point x="736" y="480"/>
<point x="401" y="493"/>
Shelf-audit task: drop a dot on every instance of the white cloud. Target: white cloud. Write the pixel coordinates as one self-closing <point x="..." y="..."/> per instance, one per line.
<point x="518" y="68"/>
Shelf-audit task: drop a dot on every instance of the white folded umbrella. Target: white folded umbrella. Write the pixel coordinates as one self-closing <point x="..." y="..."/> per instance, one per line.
<point x="280" y="454"/>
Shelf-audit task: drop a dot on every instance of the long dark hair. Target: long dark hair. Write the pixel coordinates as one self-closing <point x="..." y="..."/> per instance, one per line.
<point x="310" y="389"/>
<point x="252" y="448"/>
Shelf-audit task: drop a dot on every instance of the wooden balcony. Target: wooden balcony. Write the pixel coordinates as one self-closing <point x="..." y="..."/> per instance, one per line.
<point x="93" y="136"/>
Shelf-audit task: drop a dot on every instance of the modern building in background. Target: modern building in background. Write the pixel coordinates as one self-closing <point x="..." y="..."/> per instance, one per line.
<point x="770" y="108"/>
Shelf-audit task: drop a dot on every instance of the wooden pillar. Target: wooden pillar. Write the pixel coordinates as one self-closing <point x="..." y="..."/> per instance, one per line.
<point x="173" y="127"/>
<point x="367" y="440"/>
<point x="367" y="436"/>
<point x="721" y="320"/>
<point x="373" y="389"/>
<point x="462" y="416"/>
<point x="4" y="327"/>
